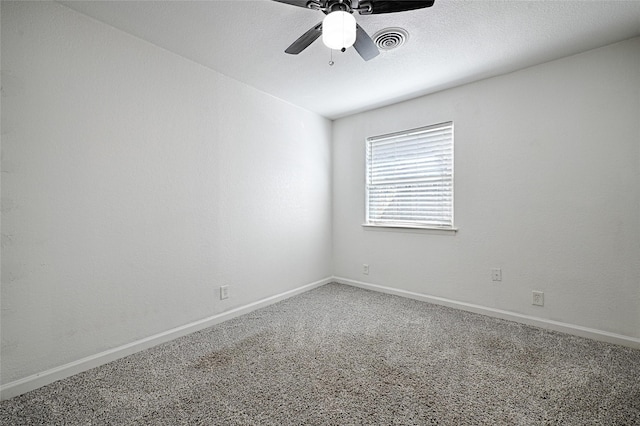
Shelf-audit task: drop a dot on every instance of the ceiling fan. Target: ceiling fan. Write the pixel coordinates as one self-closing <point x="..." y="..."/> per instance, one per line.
<point x="339" y="29"/>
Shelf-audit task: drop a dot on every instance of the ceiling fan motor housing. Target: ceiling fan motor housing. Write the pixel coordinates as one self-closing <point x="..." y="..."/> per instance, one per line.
<point x="328" y="6"/>
<point x="335" y="5"/>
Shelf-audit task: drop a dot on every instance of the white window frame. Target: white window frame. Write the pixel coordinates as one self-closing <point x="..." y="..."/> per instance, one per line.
<point x="433" y="180"/>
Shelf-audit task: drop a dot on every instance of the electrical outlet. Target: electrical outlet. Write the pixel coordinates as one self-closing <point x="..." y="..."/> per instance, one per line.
<point x="496" y="274"/>
<point x="538" y="298"/>
<point x="224" y="292"/>
<point x="365" y="269"/>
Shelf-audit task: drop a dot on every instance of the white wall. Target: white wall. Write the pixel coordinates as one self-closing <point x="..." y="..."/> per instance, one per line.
<point x="547" y="187"/>
<point x="135" y="183"/>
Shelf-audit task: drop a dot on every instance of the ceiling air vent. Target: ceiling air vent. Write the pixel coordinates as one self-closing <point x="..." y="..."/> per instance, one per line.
<point x="390" y="38"/>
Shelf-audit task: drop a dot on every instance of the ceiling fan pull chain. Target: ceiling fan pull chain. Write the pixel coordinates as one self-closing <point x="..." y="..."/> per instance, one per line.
<point x="331" y="58"/>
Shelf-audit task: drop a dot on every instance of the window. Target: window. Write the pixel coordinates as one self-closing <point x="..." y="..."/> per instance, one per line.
<point x="410" y="178"/>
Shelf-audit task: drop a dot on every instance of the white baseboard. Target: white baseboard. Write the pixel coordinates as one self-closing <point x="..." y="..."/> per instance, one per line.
<point x="576" y="330"/>
<point x="37" y="380"/>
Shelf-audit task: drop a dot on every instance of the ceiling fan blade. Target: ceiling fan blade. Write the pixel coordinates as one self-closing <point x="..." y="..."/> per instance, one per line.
<point x="384" y="6"/>
<point x="364" y="45"/>
<point x="305" y="40"/>
<point x="299" y="3"/>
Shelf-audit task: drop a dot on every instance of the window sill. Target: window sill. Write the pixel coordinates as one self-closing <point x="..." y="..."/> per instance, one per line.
<point x="408" y="228"/>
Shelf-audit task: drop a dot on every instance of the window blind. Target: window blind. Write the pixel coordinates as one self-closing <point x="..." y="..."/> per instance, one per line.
<point x="410" y="178"/>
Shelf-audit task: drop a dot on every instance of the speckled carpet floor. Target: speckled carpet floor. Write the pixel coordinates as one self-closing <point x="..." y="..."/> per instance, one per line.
<point x="341" y="355"/>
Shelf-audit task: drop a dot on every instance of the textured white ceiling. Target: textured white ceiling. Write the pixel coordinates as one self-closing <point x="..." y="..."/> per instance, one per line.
<point x="451" y="43"/>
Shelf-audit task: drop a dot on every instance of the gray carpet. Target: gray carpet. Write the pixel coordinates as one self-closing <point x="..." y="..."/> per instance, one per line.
<point x="342" y="355"/>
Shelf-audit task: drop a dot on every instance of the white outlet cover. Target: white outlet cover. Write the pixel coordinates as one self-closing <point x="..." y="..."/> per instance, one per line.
<point x="496" y="274"/>
<point x="537" y="298"/>
<point x="224" y="292"/>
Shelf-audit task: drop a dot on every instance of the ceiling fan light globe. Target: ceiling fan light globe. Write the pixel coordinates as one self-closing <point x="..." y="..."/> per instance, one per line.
<point x="339" y="30"/>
